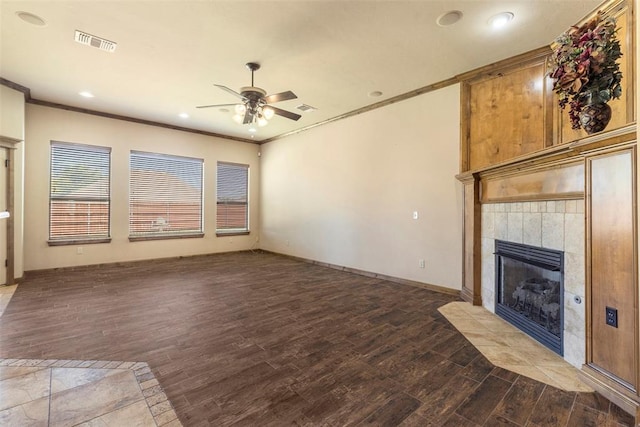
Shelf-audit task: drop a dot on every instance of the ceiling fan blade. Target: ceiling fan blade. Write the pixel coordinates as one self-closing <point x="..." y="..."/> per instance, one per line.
<point x="277" y="97"/>
<point x="231" y="91"/>
<point x="215" y="105"/>
<point x="285" y="113"/>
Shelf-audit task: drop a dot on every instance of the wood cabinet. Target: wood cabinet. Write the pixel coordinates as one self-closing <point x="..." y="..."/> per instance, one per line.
<point x="505" y="108"/>
<point x="517" y="145"/>
<point x="509" y="108"/>
<point x="612" y="280"/>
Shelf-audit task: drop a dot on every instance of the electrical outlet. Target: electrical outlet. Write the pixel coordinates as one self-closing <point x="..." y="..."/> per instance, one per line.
<point x="79" y="250"/>
<point x="611" y="316"/>
<point x="421" y="263"/>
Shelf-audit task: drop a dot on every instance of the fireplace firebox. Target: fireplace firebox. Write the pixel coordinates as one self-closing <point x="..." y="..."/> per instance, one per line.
<point x="529" y="291"/>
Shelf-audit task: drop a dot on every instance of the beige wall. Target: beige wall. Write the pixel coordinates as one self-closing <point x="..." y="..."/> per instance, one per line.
<point x="344" y="193"/>
<point x="45" y="124"/>
<point x="11" y="113"/>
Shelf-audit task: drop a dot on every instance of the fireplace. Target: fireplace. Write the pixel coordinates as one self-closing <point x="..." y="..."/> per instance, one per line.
<point x="529" y="291"/>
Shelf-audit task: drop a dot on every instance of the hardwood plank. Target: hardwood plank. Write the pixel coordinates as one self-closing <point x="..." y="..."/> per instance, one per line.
<point x="586" y="417"/>
<point x="519" y="402"/>
<point x="500" y="421"/>
<point x="553" y="408"/>
<point x="394" y="411"/>
<point x="479" y="405"/>
<point x="594" y="400"/>
<point x="259" y="339"/>
<point x="505" y="374"/>
<point x="444" y="401"/>
<point x="456" y="420"/>
<point x="478" y="369"/>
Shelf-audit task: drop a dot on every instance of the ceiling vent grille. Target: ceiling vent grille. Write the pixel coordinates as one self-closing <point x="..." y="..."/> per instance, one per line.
<point x="306" y="108"/>
<point x="97" y="42"/>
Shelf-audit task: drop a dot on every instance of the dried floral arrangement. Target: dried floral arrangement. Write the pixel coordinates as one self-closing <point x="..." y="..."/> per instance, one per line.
<point x="584" y="66"/>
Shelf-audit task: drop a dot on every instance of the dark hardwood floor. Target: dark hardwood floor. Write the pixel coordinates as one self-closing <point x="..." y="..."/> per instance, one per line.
<point x="257" y="339"/>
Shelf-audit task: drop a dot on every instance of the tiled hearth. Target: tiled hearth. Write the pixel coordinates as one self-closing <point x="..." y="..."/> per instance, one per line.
<point x="550" y="224"/>
<point x="505" y="346"/>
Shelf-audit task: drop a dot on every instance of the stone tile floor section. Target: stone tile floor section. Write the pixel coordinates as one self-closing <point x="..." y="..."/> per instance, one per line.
<point x="509" y="348"/>
<point x="81" y="393"/>
<point x="89" y="393"/>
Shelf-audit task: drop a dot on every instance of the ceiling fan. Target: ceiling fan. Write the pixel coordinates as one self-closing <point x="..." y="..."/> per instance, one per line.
<point x="256" y="104"/>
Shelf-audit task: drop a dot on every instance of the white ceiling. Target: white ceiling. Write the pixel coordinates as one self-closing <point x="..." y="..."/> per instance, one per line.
<point x="332" y="54"/>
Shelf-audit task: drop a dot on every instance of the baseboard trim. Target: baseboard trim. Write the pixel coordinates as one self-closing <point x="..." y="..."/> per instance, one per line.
<point x="27" y="273"/>
<point x="428" y="286"/>
<point x="469" y="297"/>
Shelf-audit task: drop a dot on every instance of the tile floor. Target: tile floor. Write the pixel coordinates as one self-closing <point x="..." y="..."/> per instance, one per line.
<point x="509" y="348"/>
<point x="89" y="393"/>
<point x="81" y="393"/>
<point x="100" y="393"/>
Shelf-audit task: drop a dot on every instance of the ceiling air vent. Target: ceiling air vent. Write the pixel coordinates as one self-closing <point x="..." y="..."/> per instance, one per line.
<point x="97" y="42"/>
<point x="306" y="108"/>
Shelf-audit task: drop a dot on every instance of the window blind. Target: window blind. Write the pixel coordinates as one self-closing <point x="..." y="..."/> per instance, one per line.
<point x="165" y="195"/>
<point x="232" y="198"/>
<point x="79" y="195"/>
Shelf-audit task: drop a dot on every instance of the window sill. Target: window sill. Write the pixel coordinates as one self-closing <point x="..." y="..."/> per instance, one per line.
<point x="165" y="237"/>
<point x="76" y="242"/>
<point x="232" y="233"/>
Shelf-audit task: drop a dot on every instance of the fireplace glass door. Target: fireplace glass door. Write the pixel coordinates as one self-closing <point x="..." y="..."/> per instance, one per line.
<point x="529" y="291"/>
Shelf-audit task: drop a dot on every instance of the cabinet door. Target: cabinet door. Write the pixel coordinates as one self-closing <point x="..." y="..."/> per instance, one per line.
<point x="506" y="116"/>
<point x="612" y="257"/>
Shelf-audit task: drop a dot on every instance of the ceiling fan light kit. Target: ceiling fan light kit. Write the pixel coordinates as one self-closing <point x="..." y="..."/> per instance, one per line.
<point x="255" y="107"/>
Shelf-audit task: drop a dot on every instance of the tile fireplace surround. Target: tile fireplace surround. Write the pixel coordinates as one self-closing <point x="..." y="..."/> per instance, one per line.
<point x="550" y="224"/>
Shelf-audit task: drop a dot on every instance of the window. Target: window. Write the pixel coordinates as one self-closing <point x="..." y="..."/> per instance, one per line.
<point x="165" y="196"/>
<point x="79" y="194"/>
<point x="232" y="214"/>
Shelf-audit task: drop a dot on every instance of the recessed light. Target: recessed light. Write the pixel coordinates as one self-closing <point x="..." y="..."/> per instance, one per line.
<point x="31" y="18"/>
<point x="449" y="18"/>
<point x="184" y="115"/>
<point x="500" y="20"/>
<point x="375" y="94"/>
<point x="253" y="130"/>
<point x="86" y="94"/>
<point x="224" y="110"/>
